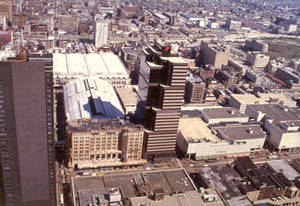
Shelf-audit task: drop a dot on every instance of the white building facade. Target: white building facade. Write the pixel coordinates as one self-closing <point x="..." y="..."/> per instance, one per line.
<point x="101" y="32"/>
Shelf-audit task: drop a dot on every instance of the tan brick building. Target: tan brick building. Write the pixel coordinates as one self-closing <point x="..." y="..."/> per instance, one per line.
<point x="105" y="142"/>
<point x="215" y="54"/>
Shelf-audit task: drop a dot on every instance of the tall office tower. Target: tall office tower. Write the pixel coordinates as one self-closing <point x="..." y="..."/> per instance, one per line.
<point x="6" y="10"/>
<point x="101" y="32"/>
<point x="161" y="87"/>
<point x="26" y="132"/>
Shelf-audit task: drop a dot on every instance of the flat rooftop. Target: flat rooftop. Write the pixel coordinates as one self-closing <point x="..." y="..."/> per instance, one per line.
<point x="127" y="95"/>
<point x="175" y="60"/>
<point x="100" y="124"/>
<point x="275" y="112"/>
<point x="295" y="111"/>
<point x="284" y="167"/>
<point x="263" y="98"/>
<point x="221" y="177"/>
<point x="103" y="64"/>
<point x="190" y="198"/>
<point x="241" y="132"/>
<point x="91" y="197"/>
<point x="153" y="65"/>
<point x="128" y="50"/>
<point x="91" y="98"/>
<point x="226" y="113"/>
<point x="171" y="181"/>
<point x="196" y="128"/>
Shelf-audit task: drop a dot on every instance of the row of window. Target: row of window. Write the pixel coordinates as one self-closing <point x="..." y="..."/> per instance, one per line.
<point x="97" y="157"/>
<point x="81" y="150"/>
<point x="94" y="145"/>
<point x="94" y="141"/>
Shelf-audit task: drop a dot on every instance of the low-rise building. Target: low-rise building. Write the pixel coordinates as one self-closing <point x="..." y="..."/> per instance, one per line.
<point x="289" y="76"/>
<point x="283" y="167"/>
<point x="223" y="178"/>
<point x="240" y="101"/>
<point x="202" y="141"/>
<point x="272" y="184"/>
<point x="224" y="114"/>
<point x="104" y="65"/>
<point x="128" y="98"/>
<point x="105" y="142"/>
<point x="171" y="187"/>
<point x="282" y="124"/>
<point x="91" y="98"/>
<point x="5" y="37"/>
<point x="102" y="196"/>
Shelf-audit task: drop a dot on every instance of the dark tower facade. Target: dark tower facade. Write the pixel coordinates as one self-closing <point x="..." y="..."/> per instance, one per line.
<point x="26" y="133"/>
<point x="163" y="78"/>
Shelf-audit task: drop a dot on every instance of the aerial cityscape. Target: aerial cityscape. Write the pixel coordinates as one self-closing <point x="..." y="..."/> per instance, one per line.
<point x="149" y="103"/>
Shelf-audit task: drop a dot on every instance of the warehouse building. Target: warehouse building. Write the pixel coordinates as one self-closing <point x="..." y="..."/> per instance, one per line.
<point x="240" y="101"/>
<point x="160" y="188"/>
<point x="105" y="65"/>
<point x="202" y="141"/>
<point x="282" y="124"/>
<point x="224" y="114"/>
<point x="284" y="167"/>
<point x="91" y="98"/>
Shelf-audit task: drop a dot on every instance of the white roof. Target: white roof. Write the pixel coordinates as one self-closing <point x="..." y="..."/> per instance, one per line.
<point x="82" y="93"/>
<point x="283" y="166"/>
<point x="104" y="64"/>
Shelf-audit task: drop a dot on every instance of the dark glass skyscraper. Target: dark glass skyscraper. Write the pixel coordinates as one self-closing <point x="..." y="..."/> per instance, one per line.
<point x="161" y="84"/>
<point x="26" y="133"/>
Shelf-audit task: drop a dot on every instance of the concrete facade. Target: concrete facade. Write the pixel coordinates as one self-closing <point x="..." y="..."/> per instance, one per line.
<point x="257" y="60"/>
<point x="219" y="141"/>
<point x="27" y="133"/>
<point x="101" y="33"/>
<point x="214" y="54"/>
<point x="283" y="125"/>
<point x="227" y="114"/>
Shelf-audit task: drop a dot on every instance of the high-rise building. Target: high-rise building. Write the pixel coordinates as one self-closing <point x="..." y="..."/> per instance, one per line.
<point x="101" y="32"/>
<point x="26" y="132"/>
<point x="195" y="91"/>
<point x="6" y="10"/>
<point x="162" y="81"/>
<point x="214" y="53"/>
